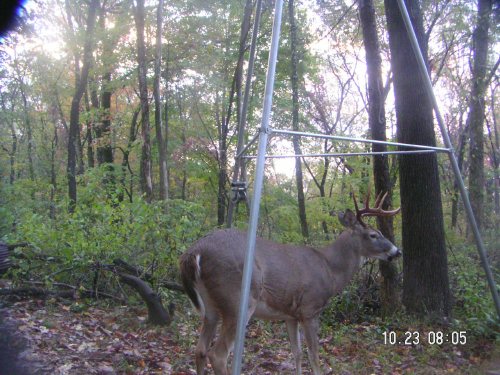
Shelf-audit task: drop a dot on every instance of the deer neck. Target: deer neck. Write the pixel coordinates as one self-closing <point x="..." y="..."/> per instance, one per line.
<point x="343" y="258"/>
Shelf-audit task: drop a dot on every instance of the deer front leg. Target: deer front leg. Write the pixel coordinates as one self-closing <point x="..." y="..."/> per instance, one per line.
<point x="292" y="327"/>
<point x="311" y="335"/>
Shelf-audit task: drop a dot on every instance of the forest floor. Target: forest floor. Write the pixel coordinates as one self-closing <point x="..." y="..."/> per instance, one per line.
<point x="57" y="337"/>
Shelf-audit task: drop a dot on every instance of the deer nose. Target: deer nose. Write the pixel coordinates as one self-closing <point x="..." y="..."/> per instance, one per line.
<point x="394" y="253"/>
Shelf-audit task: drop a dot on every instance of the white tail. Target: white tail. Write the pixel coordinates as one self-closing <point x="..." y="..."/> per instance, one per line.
<point x="290" y="283"/>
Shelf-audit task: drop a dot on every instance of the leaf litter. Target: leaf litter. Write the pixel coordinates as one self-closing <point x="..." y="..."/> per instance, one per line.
<point x="50" y="337"/>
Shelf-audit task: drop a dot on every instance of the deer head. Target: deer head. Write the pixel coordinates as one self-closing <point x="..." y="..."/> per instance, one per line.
<point x="375" y="244"/>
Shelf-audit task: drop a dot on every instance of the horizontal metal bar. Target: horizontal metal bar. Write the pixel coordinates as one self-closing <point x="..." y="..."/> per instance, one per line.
<point x="338" y="154"/>
<point x="247" y="146"/>
<point x="362" y="140"/>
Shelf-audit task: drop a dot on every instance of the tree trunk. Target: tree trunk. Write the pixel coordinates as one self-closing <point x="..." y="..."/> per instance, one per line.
<point x="13" y="150"/>
<point x="125" y="161"/>
<point x="460" y="152"/>
<point x="495" y="156"/>
<point x="295" y="120"/>
<point x="376" y="118"/>
<point x="476" y="109"/>
<point x="29" y="131"/>
<point x="89" y="136"/>
<point x="162" y="154"/>
<point x="74" y="124"/>
<point x="425" y="265"/>
<point x="146" y="179"/>
<point x="105" y="157"/>
<point x="53" y="175"/>
<point x="222" y="175"/>
<point x="104" y="149"/>
<point x="12" y="154"/>
<point x="239" y="165"/>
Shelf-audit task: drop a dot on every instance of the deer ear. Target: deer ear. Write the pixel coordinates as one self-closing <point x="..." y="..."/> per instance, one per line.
<point x="348" y="219"/>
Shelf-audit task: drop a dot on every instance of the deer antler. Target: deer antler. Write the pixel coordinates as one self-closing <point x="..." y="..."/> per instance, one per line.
<point x="375" y="211"/>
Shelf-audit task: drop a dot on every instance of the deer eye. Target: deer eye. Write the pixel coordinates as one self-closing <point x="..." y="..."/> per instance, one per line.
<point x="373" y="236"/>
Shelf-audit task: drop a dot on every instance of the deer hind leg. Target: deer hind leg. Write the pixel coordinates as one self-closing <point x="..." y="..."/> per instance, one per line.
<point x="311" y="336"/>
<point x="219" y="354"/>
<point x="292" y="327"/>
<point x="208" y="329"/>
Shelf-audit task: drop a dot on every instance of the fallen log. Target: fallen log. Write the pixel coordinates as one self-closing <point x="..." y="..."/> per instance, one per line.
<point x="71" y="292"/>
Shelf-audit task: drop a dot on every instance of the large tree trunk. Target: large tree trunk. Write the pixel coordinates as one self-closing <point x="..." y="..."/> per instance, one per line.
<point x="162" y="153"/>
<point x="425" y="265"/>
<point x="146" y="179"/>
<point x="376" y="117"/>
<point x="74" y="122"/>
<point x="295" y="120"/>
<point x="476" y="110"/>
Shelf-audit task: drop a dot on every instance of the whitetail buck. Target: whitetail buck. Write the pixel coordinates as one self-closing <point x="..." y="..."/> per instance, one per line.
<point x="290" y="283"/>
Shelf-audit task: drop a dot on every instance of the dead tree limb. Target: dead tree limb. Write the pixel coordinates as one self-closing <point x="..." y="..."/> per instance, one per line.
<point x="158" y="315"/>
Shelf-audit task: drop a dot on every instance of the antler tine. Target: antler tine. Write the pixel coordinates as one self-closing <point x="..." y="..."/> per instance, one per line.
<point x="380" y="200"/>
<point x="355" y="202"/>
<point x="367" y="199"/>
<point x="375" y="211"/>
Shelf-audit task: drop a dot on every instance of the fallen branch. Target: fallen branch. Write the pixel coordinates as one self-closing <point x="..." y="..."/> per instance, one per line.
<point x="37" y="292"/>
<point x="157" y="313"/>
<point x="74" y="292"/>
<point x="137" y="271"/>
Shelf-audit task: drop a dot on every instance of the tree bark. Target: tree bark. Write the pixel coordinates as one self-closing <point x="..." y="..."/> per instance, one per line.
<point x="425" y="265"/>
<point x="13" y="150"/>
<point x="29" y="130"/>
<point x="105" y="157"/>
<point x="476" y="109"/>
<point x="125" y="161"/>
<point x="146" y="179"/>
<point x="74" y="124"/>
<point x="162" y="154"/>
<point x="239" y="173"/>
<point x="376" y="118"/>
<point x="89" y="136"/>
<point x="294" y="78"/>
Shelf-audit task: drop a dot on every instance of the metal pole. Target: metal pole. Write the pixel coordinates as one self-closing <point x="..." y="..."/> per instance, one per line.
<point x="338" y="154"/>
<point x="244" y="108"/>
<point x="239" y="154"/>
<point x="361" y="140"/>
<point x="463" y="192"/>
<point x="257" y="191"/>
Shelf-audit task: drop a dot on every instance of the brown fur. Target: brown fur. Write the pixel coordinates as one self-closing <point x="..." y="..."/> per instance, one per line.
<point x="189" y="269"/>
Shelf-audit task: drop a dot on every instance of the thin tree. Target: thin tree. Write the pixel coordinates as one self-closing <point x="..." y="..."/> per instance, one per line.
<point x="80" y="86"/>
<point x="475" y="118"/>
<point x="425" y="265"/>
<point x="376" y="120"/>
<point x="294" y="78"/>
<point x="103" y="130"/>
<point x="162" y="153"/>
<point x="146" y="180"/>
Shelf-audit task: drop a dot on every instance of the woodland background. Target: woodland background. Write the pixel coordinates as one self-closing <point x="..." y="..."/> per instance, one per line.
<point x="118" y="130"/>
